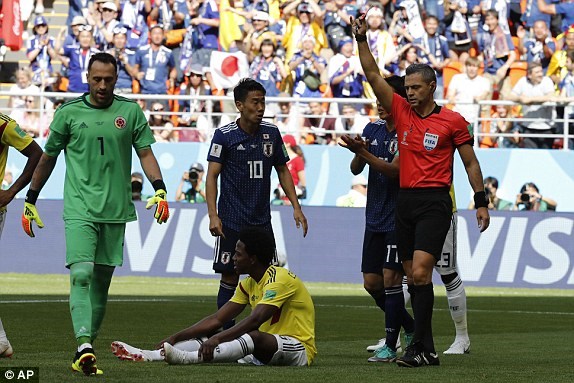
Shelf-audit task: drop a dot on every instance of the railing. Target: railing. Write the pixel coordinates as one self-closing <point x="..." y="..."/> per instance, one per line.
<point x="295" y="112"/>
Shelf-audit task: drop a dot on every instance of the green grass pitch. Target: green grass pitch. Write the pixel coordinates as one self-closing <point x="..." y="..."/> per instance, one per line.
<point x="517" y="335"/>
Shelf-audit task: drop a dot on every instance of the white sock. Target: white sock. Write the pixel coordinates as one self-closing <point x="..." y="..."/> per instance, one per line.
<point x="2" y="332"/>
<point x="234" y="350"/>
<point x="189" y="345"/>
<point x="456" y="297"/>
<point x="84" y="346"/>
<point x="406" y="293"/>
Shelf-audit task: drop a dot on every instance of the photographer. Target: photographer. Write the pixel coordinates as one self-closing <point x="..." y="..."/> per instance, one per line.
<point x="196" y="192"/>
<point x="530" y="199"/>
<point x="494" y="202"/>
<point x="126" y="59"/>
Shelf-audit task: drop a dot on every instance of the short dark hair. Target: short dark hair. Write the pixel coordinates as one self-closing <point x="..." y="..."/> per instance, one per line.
<point x="491" y="180"/>
<point x="491" y="12"/>
<point x="258" y="242"/>
<point x="425" y="70"/>
<point x="532" y="65"/>
<point x="104" y="58"/>
<point x="244" y="86"/>
<point x="527" y="185"/>
<point x="431" y="17"/>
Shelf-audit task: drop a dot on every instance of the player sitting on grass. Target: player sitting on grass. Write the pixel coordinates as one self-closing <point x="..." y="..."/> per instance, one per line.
<point x="279" y="331"/>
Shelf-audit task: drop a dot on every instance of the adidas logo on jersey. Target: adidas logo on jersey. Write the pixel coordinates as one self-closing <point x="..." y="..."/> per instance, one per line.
<point x="374" y="142"/>
<point x="240" y="147"/>
<point x="83" y="125"/>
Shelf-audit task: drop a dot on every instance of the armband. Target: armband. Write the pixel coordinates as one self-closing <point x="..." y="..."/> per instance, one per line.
<point x="158" y="184"/>
<point x="360" y="38"/>
<point x="480" y="199"/>
<point x="32" y="196"/>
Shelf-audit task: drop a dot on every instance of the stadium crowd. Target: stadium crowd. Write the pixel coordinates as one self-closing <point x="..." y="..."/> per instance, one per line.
<point x="521" y="51"/>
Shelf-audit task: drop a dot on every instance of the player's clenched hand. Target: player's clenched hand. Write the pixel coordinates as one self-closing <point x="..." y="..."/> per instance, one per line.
<point x="207" y="348"/>
<point x="161" y="208"/>
<point x="483" y="218"/>
<point x="30" y="215"/>
<point x="300" y="220"/>
<point x="216" y="227"/>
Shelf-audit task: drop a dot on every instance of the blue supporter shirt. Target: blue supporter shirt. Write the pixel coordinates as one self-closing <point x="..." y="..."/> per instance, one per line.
<point x="208" y="35"/>
<point x="124" y="78"/>
<point x="266" y="73"/>
<point x="533" y="14"/>
<point x="43" y="60"/>
<point x="78" y="68"/>
<point x="382" y="190"/>
<point x="247" y="161"/>
<point x="156" y="66"/>
<point x="437" y="45"/>
<point x="567" y="12"/>
<point x="486" y="45"/>
<point x="535" y="51"/>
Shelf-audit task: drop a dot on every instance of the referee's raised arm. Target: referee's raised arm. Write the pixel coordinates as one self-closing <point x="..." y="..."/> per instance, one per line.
<point x="383" y="91"/>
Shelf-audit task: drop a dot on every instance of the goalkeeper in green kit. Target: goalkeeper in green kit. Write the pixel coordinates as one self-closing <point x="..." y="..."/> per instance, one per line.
<point x="97" y="132"/>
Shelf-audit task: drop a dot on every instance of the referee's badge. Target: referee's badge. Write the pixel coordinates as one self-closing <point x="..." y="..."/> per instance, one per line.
<point x="430" y="141"/>
<point x="394" y="145"/>
<point x="120" y="122"/>
<point x="268" y="149"/>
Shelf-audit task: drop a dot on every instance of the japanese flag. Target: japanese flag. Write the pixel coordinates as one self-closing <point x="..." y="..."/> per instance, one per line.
<point x="228" y="68"/>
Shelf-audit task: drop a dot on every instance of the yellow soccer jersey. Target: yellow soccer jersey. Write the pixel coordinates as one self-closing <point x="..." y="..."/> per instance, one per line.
<point x="453" y="197"/>
<point x="10" y="135"/>
<point x="281" y="288"/>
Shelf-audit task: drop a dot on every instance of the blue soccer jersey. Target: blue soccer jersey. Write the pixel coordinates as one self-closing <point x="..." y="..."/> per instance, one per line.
<point x="382" y="190"/>
<point x="247" y="161"/>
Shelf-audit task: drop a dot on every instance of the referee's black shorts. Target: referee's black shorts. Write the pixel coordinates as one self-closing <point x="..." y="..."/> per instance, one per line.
<point x="423" y="219"/>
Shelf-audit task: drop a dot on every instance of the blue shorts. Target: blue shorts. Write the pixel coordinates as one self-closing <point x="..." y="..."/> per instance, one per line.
<point x="380" y="252"/>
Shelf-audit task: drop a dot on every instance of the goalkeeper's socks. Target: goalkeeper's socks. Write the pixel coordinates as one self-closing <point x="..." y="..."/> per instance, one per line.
<point x="456" y="297"/>
<point x="394" y="307"/>
<point x="225" y="293"/>
<point x="80" y="302"/>
<point x="379" y="297"/>
<point x="84" y="346"/>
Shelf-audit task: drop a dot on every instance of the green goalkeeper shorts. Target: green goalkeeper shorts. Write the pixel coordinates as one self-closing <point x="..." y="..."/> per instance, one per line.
<point x="97" y="242"/>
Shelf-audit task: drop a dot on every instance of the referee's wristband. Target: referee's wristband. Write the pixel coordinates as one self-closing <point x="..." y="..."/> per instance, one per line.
<point x="32" y="196"/>
<point x="360" y="38"/>
<point x="158" y="184"/>
<point x="480" y="199"/>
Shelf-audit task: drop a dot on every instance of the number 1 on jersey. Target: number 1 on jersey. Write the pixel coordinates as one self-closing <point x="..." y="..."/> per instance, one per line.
<point x="255" y="169"/>
<point x="101" y="139"/>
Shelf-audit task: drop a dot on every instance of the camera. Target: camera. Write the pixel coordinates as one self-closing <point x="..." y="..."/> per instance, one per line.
<point x="193" y="175"/>
<point x="525" y="197"/>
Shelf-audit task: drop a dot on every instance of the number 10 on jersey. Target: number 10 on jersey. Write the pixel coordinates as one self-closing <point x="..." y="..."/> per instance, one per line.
<point x="255" y="169"/>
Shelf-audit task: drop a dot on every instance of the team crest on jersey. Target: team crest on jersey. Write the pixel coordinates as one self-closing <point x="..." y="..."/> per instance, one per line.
<point x="430" y="141"/>
<point x="265" y="136"/>
<point x="268" y="149"/>
<point x="393" y="145"/>
<point x="120" y="122"/>
<point x="225" y="257"/>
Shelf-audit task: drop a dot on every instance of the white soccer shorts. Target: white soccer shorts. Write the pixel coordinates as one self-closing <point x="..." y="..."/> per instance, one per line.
<point x="447" y="263"/>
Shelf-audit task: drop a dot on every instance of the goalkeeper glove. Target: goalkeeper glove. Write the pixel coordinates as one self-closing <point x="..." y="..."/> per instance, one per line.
<point x="161" y="209"/>
<point x="30" y="215"/>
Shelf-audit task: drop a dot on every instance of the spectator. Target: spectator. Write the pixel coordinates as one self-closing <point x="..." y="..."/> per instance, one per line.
<point x="351" y="122"/>
<point x="346" y="74"/>
<point x="466" y="89"/>
<point x="296" y="166"/>
<point x="567" y="93"/>
<point x="564" y="9"/>
<point x="381" y="42"/>
<point x="317" y="124"/>
<point x="536" y="89"/>
<point x="105" y="24"/>
<point x="155" y="65"/>
<point x="501" y="122"/>
<point x="258" y="34"/>
<point x="494" y="202"/>
<point x="407" y="56"/>
<point x="557" y="68"/>
<point x="457" y="29"/>
<point x="133" y="17"/>
<point x="497" y="52"/>
<point x="268" y="69"/>
<point x="357" y="196"/>
<point x="205" y="19"/>
<point x="126" y="59"/>
<point x="433" y="50"/>
<point x="289" y="119"/>
<point x="30" y="121"/>
<point x="336" y="21"/>
<point x="532" y="13"/>
<point x="501" y="8"/>
<point x="160" y="123"/>
<point x="303" y="22"/>
<point x="530" y="199"/>
<point x="308" y="67"/>
<point x="401" y="27"/>
<point x="22" y="86"/>
<point x="193" y="123"/>
<point x="540" y="47"/>
<point x="77" y="59"/>
<point x="70" y="34"/>
<point x="41" y="51"/>
<point x="168" y="13"/>
<point x="137" y="186"/>
<point x="196" y="191"/>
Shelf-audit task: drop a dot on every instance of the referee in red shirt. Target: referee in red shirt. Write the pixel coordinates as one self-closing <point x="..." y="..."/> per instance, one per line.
<point x="428" y="136"/>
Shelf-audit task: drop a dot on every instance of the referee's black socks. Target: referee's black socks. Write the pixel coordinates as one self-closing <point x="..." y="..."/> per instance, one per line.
<point x="423" y="302"/>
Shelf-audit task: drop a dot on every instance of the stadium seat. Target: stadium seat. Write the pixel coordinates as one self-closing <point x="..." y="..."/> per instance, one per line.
<point x="455" y="67"/>
<point x="515" y="41"/>
<point x="517" y="71"/>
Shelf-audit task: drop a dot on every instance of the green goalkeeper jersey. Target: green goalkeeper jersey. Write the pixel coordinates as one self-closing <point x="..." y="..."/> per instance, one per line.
<point x="97" y="144"/>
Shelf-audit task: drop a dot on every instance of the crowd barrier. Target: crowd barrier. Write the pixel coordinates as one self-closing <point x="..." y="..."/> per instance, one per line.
<point x="520" y="249"/>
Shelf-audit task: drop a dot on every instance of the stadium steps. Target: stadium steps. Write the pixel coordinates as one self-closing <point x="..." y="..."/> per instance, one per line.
<point x="56" y="13"/>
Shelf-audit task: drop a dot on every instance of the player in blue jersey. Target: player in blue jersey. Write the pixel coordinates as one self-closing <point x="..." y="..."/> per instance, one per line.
<point x="243" y="153"/>
<point x="381" y="267"/>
